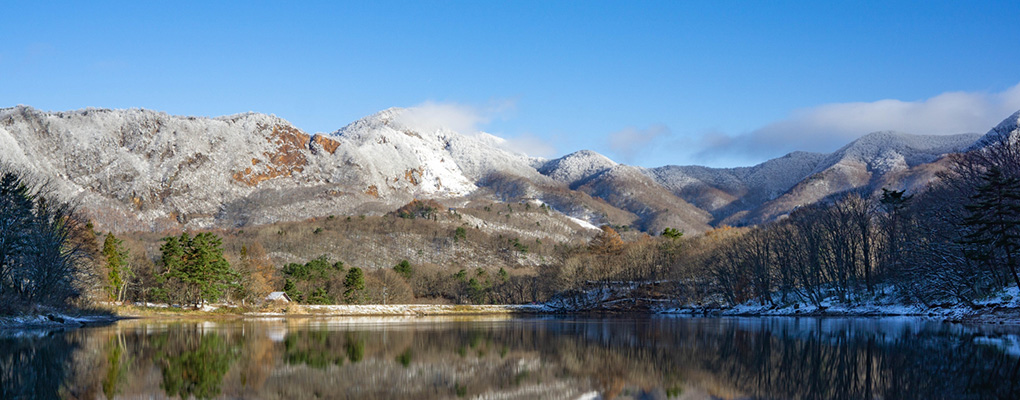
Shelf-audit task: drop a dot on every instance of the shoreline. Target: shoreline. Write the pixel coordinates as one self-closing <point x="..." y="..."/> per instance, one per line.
<point x="956" y="314"/>
<point x="57" y="320"/>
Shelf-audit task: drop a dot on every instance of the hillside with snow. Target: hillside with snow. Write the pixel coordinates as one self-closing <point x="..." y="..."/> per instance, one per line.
<point x="726" y="192"/>
<point x="140" y="169"/>
<point x="146" y="170"/>
<point x="892" y="160"/>
<point x="1009" y="128"/>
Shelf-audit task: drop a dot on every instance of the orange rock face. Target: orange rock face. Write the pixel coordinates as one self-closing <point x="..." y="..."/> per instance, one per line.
<point x="326" y="143"/>
<point x="285" y="160"/>
<point x="413" y="175"/>
<point x="372" y="191"/>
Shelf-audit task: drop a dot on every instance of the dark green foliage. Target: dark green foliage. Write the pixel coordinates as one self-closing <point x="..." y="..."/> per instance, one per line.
<point x="116" y="373"/>
<point x="35" y="368"/>
<point x="894" y="199"/>
<point x="459" y="234"/>
<point x="315" y="349"/>
<point x="476" y="291"/>
<point x="319" y="296"/>
<point x="116" y="263"/>
<point x="354" y="283"/>
<point x="291" y="289"/>
<point x="43" y="246"/>
<point x="198" y="265"/>
<point x="518" y="246"/>
<point x="355" y="348"/>
<point x="672" y="233"/>
<point x="427" y="209"/>
<point x="405" y="358"/>
<point x="314" y="277"/>
<point x="198" y="371"/>
<point x="404" y="269"/>
<point x="316" y="269"/>
<point x="993" y="222"/>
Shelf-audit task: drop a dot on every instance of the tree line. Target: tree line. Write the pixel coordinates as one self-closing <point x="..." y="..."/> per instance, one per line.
<point x="957" y="241"/>
<point x="46" y="248"/>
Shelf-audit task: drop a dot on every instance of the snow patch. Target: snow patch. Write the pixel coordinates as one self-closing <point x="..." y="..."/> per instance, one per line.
<point x="584" y="224"/>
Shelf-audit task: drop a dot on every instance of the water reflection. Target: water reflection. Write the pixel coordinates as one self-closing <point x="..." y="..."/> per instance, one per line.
<point x="622" y="358"/>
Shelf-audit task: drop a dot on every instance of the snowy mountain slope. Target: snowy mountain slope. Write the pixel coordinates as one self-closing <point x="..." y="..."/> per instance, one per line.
<point x="628" y="188"/>
<point x="727" y="191"/>
<point x="889" y="151"/>
<point x="1009" y="127"/>
<point x="875" y="161"/>
<point x="146" y="170"/>
<point x="144" y="161"/>
<point x="576" y="167"/>
<point x="139" y="169"/>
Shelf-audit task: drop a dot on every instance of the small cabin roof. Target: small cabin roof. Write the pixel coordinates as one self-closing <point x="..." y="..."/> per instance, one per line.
<point x="275" y="296"/>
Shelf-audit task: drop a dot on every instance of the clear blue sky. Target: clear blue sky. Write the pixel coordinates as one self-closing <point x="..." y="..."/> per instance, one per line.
<point x="648" y="83"/>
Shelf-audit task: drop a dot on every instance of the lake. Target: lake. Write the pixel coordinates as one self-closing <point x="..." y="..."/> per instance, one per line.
<point x="516" y="358"/>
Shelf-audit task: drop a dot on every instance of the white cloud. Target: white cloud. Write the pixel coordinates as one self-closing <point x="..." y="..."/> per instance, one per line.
<point x="827" y="127"/>
<point x="462" y="118"/>
<point x="469" y="120"/>
<point x="629" y="142"/>
<point x="530" y="145"/>
<point x="431" y="116"/>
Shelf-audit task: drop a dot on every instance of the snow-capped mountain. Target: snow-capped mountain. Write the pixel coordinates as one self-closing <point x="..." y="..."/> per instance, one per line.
<point x="140" y="169"/>
<point x="576" y="167"/>
<point x="1009" y="127"/>
<point x="146" y="170"/>
<point x="878" y="160"/>
<point x="726" y="192"/>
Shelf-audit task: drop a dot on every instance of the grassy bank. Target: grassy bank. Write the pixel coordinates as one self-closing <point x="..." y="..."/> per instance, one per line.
<point x="327" y="310"/>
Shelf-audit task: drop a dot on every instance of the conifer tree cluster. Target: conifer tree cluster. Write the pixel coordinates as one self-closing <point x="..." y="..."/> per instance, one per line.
<point x="196" y="265"/>
<point x="44" y="246"/>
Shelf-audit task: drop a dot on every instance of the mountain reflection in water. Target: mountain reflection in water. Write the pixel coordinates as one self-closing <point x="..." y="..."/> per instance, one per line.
<point x="499" y="358"/>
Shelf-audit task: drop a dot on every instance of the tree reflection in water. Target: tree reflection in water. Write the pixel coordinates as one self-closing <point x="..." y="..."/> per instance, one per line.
<point x="783" y="358"/>
<point x="33" y="364"/>
<point x="194" y="364"/>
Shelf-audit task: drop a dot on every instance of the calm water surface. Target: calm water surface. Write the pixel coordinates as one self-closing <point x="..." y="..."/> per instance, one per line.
<point x="433" y="358"/>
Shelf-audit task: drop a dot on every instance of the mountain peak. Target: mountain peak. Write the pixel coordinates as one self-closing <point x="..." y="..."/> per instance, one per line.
<point x="894" y="150"/>
<point x="1008" y="127"/>
<point x="576" y="166"/>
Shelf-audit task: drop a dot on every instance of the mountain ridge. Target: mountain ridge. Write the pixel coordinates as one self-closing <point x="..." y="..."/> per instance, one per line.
<point x="139" y="169"/>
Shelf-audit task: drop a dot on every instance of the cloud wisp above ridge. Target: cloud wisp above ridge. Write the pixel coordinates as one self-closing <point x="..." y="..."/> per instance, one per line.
<point x="822" y="128"/>
<point x="827" y="127"/>
<point x="470" y="120"/>
<point x="630" y="142"/>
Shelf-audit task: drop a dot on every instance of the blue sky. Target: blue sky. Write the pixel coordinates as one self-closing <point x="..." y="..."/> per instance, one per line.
<point x="649" y="83"/>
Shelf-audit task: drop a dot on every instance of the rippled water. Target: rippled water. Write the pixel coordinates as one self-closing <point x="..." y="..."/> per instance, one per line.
<point x="425" y="358"/>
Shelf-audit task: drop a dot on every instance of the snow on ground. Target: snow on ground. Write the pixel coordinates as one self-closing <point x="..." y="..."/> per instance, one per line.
<point x="50" y="319"/>
<point x="999" y="308"/>
<point x="583" y="223"/>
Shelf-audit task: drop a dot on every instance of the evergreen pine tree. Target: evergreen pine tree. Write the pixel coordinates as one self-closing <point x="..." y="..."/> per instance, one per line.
<point x="116" y="264"/>
<point x="355" y="283"/>
<point x="198" y="263"/>
<point x="404" y="269"/>
<point x="993" y="220"/>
